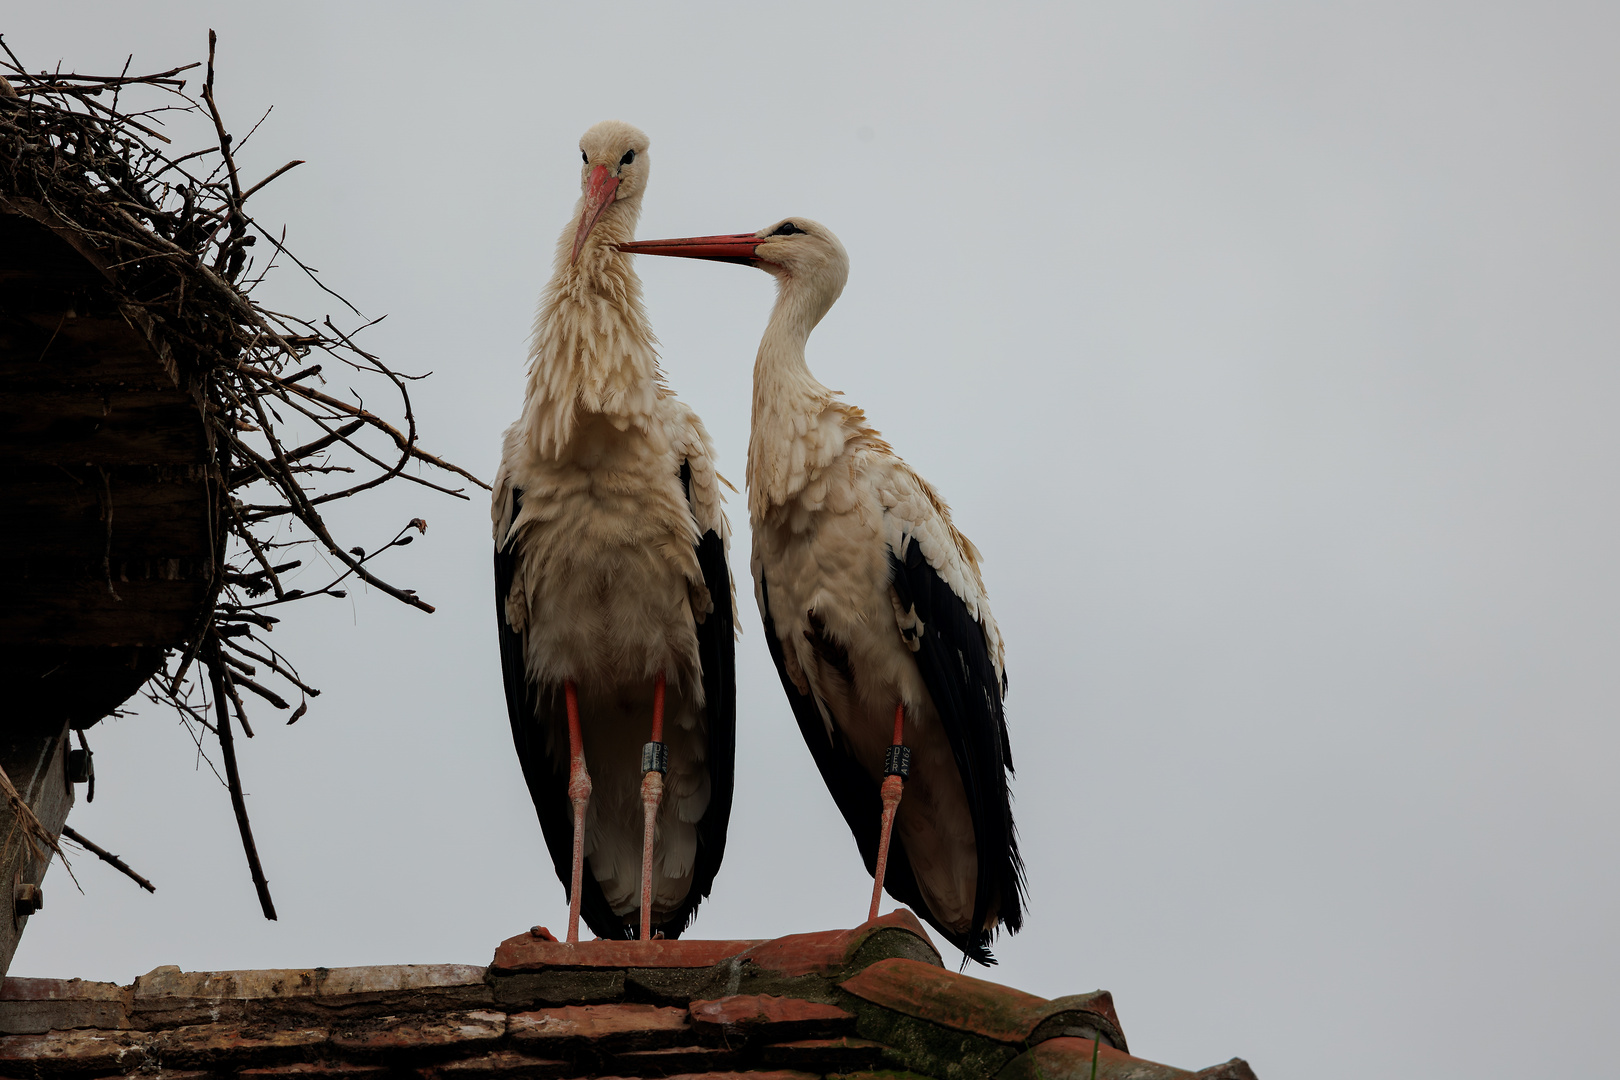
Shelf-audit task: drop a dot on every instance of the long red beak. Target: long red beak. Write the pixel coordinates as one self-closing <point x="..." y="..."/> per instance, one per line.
<point x="597" y="199"/>
<point x="732" y="247"/>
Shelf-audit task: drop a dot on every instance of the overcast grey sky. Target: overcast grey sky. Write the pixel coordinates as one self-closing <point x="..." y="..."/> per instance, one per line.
<point x="1267" y="351"/>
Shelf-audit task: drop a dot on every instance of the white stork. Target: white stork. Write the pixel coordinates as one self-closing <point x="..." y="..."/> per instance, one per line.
<point x="876" y="616"/>
<point x="611" y="585"/>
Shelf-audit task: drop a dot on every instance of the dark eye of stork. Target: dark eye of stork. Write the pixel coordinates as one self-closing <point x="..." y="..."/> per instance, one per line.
<point x="583" y="156"/>
<point x="629" y="156"/>
<point x="787" y="228"/>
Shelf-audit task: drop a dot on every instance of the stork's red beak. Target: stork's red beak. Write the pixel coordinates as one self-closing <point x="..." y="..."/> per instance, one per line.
<point x="732" y="247"/>
<point x="597" y="199"/>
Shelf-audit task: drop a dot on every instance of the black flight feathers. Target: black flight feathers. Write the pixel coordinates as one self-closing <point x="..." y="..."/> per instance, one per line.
<point x="540" y="736"/>
<point x="954" y="660"/>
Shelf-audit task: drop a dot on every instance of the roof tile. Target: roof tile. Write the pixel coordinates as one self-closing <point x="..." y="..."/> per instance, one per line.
<point x="750" y="1016"/>
<point x="216" y="986"/>
<point x="391" y="1034"/>
<point x="308" y="1070"/>
<point x="951" y="1000"/>
<point x="825" y="1055"/>
<point x="203" y="1045"/>
<point x="1082" y="1016"/>
<point x="497" y="1064"/>
<point x="622" y="1027"/>
<point x="61" y="990"/>
<point x="527" y="952"/>
<point x="88" y="1051"/>
<point x="1070" y="1059"/>
<point x="828" y="952"/>
<point x="168" y="995"/>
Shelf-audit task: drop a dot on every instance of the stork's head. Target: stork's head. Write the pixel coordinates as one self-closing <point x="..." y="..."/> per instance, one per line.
<point x="796" y="250"/>
<point x="614" y="170"/>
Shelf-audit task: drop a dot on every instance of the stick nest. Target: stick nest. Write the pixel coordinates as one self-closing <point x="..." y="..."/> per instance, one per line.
<point x="175" y="230"/>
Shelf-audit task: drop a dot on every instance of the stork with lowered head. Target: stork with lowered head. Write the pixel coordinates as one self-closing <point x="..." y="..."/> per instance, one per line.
<point x="612" y="588"/>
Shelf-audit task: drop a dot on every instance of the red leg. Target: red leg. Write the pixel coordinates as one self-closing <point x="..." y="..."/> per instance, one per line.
<point x="579" y="793"/>
<point x="653" y="762"/>
<point x="895" y="768"/>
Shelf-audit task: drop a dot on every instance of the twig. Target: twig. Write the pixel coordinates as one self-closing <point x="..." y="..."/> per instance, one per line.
<point x="371" y="418"/>
<point x="227" y="749"/>
<point x="107" y="857"/>
<point x="290" y="165"/>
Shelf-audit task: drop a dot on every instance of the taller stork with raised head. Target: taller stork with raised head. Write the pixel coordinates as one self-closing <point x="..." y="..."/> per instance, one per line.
<point x="876" y="616"/>
<point x="611" y="585"/>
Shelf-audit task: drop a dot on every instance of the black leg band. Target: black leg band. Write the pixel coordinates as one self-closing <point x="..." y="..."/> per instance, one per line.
<point x="655" y="758"/>
<point x="897" y="762"/>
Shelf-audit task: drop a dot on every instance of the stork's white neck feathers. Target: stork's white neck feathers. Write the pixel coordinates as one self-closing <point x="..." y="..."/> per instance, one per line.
<point x="799" y="426"/>
<point x="592" y="350"/>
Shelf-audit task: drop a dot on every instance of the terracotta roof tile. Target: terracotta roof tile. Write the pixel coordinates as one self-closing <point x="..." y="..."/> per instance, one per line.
<point x="207" y="1045"/>
<point x="499" y="1064"/>
<point x="765" y="1016"/>
<point x="392" y="1035"/>
<point x="825" y="1055"/>
<point x="167" y="995"/>
<point x="86" y="1051"/>
<point x="309" y="1070"/>
<point x="1083" y="1016"/>
<point x="944" y="997"/>
<point x="1070" y="1059"/>
<point x="829" y="952"/>
<point x="617" y="1027"/>
<point x="529" y="953"/>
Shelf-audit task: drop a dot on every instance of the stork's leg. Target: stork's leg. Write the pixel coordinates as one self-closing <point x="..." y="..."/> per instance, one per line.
<point x="654" y="764"/>
<point x="896" y="767"/>
<point x="579" y="793"/>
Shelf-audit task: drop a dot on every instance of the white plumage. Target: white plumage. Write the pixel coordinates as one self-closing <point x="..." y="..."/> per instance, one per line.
<point x="872" y="598"/>
<point x="605" y="495"/>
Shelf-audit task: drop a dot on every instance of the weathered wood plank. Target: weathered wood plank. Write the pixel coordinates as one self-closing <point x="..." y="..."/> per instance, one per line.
<point x="60" y="512"/>
<point x="118" y="426"/>
<point x="36" y="762"/>
<point x="87" y="613"/>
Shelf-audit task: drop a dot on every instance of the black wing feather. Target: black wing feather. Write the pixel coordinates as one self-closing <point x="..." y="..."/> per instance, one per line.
<point x="717" y="652"/>
<point x="954" y="660"/>
<point x="858" y="797"/>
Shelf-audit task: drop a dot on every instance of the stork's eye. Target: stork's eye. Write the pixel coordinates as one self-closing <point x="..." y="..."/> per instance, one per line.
<point x="787" y="228"/>
<point x="629" y="156"/>
<point x="583" y="156"/>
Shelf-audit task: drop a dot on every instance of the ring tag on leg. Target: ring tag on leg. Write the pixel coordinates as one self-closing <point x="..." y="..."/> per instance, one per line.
<point x="896" y="761"/>
<point x="655" y="757"/>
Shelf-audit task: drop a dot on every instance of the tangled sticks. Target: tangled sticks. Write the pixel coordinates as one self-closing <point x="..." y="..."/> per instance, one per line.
<point x="171" y="235"/>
